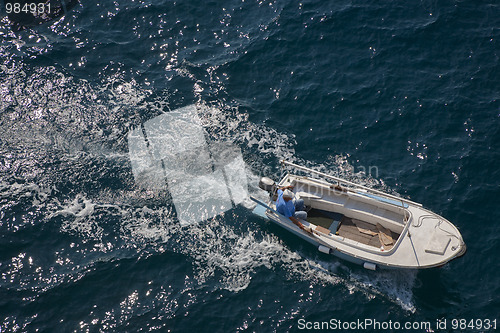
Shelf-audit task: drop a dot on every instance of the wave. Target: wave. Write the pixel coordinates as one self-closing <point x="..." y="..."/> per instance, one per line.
<point x="72" y="135"/>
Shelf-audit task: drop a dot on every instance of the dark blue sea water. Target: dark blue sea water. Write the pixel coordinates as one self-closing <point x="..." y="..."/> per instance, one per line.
<point x="407" y="91"/>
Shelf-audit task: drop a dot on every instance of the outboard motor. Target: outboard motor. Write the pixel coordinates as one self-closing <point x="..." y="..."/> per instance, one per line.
<point x="267" y="184"/>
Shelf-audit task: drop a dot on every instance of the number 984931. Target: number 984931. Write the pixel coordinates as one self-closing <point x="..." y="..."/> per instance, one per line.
<point x="33" y="8"/>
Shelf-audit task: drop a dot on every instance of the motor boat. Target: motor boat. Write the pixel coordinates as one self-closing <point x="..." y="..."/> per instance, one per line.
<point x="362" y="225"/>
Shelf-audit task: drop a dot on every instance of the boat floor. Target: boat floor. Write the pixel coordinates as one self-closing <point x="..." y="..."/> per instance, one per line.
<point x="355" y="230"/>
<point x="349" y="230"/>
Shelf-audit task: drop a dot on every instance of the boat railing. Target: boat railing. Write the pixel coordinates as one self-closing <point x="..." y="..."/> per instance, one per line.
<point x="346" y="182"/>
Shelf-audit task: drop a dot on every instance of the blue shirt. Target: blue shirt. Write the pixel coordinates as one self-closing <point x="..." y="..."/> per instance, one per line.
<point x="286" y="208"/>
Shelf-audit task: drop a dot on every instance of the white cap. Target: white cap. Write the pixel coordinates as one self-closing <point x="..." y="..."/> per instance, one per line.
<point x="288" y="194"/>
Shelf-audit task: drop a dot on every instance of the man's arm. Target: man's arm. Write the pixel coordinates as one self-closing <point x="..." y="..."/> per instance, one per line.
<point x="299" y="224"/>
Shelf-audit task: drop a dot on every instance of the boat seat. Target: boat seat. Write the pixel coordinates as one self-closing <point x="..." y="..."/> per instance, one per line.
<point x="334" y="226"/>
<point x="307" y="197"/>
<point x="380" y="202"/>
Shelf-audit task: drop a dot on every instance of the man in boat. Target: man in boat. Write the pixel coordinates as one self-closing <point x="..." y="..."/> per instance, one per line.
<point x="290" y="206"/>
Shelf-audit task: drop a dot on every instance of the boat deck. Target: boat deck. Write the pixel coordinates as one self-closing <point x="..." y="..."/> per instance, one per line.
<point x="368" y="236"/>
<point x="353" y="229"/>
